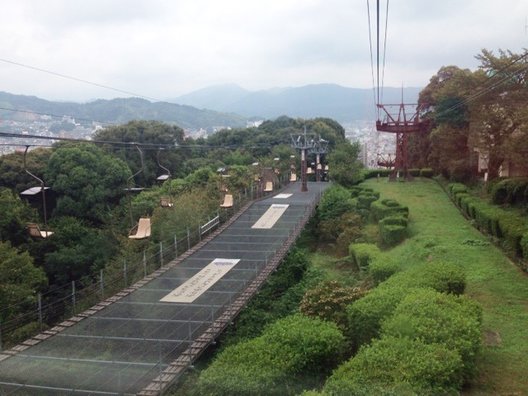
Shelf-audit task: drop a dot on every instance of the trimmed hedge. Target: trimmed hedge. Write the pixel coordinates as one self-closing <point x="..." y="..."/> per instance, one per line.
<point x="365" y="199"/>
<point x="392" y="234"/>
<point x="398" y="366"/>
<point x="366" y="314"/>
<point x="502" y="224"/>
<point x="386" y="207"/>
<point x="426" y="172"/>
<point x="270" y="364"/>
<point x="363" y="254"/>
<point x="439" y="318"/>
<point x="381" y="270"/>
<point x="442" y="277"/>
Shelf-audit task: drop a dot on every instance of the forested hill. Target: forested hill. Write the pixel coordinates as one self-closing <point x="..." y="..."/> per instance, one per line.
<point x="118" y="111"/>
<point x="317" y="100"/>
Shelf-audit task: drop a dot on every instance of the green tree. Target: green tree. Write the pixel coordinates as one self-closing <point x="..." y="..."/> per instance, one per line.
<point x="344" y="164"/>
<point x="498" y="113"/>
<point x="87" y="180"/>
<point x="153" y="133"/>
<point x="15" y="215"/>
<point x="12" y="174"/>
<point x="77" y="251"/>
<point x="19" y="281"/>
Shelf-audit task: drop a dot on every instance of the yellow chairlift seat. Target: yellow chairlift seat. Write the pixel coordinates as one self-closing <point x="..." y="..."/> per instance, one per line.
<point x="35" y="231"/>
<point x="165" y="202"/>
<point x="309" y="171"/>
<point x="326" y="167"/>
<point x="141" y="230"/>
<point x="319" y="167"/>
<point x="228" y="201"/>
<point x="293" y="177"/>
<point x="268" y="187"/>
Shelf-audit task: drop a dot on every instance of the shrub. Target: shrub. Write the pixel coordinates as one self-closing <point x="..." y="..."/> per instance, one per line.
<point x="270" y="364"/>
<point x="510" y="191"/>
<point x="379" y="209"/>
<point x="394" y="220"/>
<point x="524" y="245"/>
<point x="365" y="199"/>
<point x="382" y="270"/>
<point x="442" y="277"/>
<point x="426" y="172"/>
<point x="328" y="301"/>
<point x="363" y="253"/>
<point x="414" y="172"/>
<point x="398" y="366"/>
<point x="373" y="173"/>
<point x="512" y="228"/>
<point x="392" y="234"/>
<point x="366" y="314"/>
<point x="456" y="188"/>
<point x="438" y="318"/>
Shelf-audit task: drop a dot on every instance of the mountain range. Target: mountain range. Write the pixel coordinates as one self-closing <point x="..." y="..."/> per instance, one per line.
<point x="326" y="100"/>
<point x="216" y="106"/>
<point x="117" y="111"/>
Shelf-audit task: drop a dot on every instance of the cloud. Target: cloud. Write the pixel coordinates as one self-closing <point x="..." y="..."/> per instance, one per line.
<point x="164" y="48"/>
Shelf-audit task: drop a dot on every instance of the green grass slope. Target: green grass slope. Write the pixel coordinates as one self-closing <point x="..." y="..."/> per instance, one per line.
<point x="438" y="232"/>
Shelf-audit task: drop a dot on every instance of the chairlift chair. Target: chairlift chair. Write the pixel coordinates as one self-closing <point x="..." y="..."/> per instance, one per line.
<point x="165" y="202"/>
<point x="293" y="177"/>
<point x="228" y="201"/>
<point x="268" y="187"/>
<point x="35" y="231"/>
<point x="141" y="230"/>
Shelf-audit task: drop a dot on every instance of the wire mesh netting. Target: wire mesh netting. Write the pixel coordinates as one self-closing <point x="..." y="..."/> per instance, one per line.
<point x="121" y="348"/>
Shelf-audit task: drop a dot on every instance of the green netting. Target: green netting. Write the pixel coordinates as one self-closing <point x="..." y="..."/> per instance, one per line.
<point x="123" y="347"/>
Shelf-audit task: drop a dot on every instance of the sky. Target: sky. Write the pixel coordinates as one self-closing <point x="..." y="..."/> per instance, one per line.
<point x="161" y="49"/>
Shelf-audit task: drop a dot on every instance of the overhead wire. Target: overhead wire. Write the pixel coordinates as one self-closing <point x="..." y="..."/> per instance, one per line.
<point x="371" y="57"/>
<point x="384" y="50"/>
<point x="68" y="77"/>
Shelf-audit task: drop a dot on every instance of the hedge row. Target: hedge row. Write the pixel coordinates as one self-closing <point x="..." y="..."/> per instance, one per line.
<point x="363" y="254"/>
<point x="373" y="173"/>
<point x="428" y="347"/>
<point x="366" y="314"/>
<point x="508" y="227"/>
<point x="387" y="207"/>
<point x="271" y="364"/>
<point x="430" y="336"/>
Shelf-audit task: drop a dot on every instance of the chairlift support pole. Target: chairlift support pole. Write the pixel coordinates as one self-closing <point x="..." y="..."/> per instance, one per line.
<point x="130" y="179"/>
<point x="303" y="143"/>
<point x="42" y="189"/>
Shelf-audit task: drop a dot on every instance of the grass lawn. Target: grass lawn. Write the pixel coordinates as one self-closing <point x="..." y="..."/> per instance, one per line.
<point x="440" y="233"/>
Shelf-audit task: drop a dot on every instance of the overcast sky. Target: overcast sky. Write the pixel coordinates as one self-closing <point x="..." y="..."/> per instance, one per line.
<point x="165" y="48"/>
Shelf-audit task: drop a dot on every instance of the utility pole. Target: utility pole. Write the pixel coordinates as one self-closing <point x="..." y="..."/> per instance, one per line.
<point x="303" y="142"/>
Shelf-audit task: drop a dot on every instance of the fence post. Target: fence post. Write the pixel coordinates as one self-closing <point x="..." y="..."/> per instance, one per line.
<point x="39" y="302"/>
<point x="175" y="246"/>
<point x="188" y="239"/>
<point x="1" y="348"/>
<point x="144" y="263"/>
<point x="161" y="254"/>
<point x="125" y="275"/>
<point x="73" y="297"/>
<point x="102" y="283"/>
<point x="199" y="232"/>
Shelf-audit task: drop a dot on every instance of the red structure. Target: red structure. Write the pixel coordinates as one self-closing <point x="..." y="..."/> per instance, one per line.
<point x="398" y="122"/>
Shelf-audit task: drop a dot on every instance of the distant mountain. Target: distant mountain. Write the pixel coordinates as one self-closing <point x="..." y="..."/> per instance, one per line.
<point x="327" y="100"/>
<point x="119" y="111"/>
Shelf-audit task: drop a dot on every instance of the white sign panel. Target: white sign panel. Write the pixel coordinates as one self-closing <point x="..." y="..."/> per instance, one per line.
<point x="200" y="282"/>
<point x="283" y="196"/>
<point x="270" y="217"/>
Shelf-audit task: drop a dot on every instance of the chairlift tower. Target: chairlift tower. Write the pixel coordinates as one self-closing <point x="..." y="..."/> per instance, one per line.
<point x="303" y="142"/>
<point x="401" y="124"/>
<point x="320" y="147"/>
